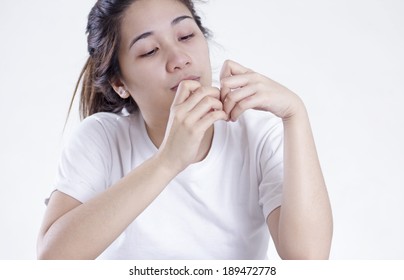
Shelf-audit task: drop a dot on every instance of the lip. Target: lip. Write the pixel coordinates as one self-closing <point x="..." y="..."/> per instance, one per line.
<point x="193" y="78"/>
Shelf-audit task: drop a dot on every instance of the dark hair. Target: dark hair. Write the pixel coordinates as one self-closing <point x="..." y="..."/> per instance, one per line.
<point x="102" y="66"/>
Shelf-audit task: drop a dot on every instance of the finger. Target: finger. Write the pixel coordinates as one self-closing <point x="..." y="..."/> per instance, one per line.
<point x="228" y="84"/>
<point x="233" y="98"/>
<point x="204" y="107"/>
<point x="231" y="68"/>
<point x="210" y="118"/>
<point x="199" y="95"/>
<point x="184" y="90"/>
<point x="250" y="102"/>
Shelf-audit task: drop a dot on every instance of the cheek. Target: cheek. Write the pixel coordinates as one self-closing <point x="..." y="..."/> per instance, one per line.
<point x="140" y="77"/>
<point x="203" y="48"/>
<point x="203" y="59"/>
<point x="146" y="85"/>
<point x="203" y="54"/>
<point x="135" y="73"/>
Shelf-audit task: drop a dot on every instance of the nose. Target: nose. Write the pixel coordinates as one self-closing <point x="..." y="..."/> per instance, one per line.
<point x="177" y="59"/>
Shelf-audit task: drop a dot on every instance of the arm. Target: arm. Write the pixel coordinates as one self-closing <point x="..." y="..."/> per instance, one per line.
<point x="72" y="230"/>
<point x="302" y="227"/>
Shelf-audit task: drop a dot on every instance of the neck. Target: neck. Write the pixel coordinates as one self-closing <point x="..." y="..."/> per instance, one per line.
<point x="156" y="132"/>
<point x="156" y="125"/>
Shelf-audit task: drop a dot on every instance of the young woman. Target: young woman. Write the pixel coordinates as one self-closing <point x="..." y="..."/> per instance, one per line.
<point x="165" y="166"/>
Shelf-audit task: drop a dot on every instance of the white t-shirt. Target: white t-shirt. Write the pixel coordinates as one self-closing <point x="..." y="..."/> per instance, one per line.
<point x="214" y="209"/>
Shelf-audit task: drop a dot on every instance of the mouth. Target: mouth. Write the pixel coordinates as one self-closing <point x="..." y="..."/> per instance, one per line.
<point x="193" y="78"/>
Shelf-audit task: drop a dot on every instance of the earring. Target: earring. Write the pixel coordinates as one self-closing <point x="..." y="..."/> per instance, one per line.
<point x="124" y="93"/>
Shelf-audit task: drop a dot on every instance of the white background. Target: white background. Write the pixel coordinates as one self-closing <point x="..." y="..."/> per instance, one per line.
<point x="344" y="58"/>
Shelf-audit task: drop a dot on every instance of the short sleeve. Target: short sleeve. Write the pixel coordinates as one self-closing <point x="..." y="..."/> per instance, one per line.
<point x="271" y="168"/>
<point x="84" y="169"/>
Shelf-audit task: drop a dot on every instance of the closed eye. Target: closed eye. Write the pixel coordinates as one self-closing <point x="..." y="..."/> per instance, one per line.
<point x="150" y="53"/>
<point x="187" y="37"/>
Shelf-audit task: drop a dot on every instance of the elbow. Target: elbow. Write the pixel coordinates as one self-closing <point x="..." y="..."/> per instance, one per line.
<point x="62" y="251"/>
<point x="46" y="251"/>
<point x="43" y="252"/>
<point x="52" y="254"/>
<point x="305" y="252"/>
<point x="304" y="256"/>
<point x="310" y="246"/>
<point x="45" y="256"/>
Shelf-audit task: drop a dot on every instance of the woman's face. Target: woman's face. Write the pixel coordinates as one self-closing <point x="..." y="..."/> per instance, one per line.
<point x="161" y="45"/>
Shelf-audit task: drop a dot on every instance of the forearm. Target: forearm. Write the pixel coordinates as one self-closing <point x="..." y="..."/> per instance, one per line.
<point x="87" y="230"/>
<point x="305" y="222"/>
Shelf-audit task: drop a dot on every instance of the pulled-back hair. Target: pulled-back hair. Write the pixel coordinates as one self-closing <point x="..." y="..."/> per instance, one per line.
<point x="102" y="66"/>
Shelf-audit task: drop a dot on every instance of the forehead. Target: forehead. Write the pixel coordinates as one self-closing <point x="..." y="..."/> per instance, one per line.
<point x="151" y="15"/>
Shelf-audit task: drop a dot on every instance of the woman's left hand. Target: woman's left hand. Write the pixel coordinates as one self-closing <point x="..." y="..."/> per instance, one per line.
<point x="302" y="227"/>
<point x="243" y="89"/>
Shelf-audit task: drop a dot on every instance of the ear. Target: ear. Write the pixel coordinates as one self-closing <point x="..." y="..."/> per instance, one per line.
<point x="119" y="88"/>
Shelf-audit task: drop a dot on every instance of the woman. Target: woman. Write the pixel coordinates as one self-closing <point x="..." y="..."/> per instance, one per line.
<point x="165" y="166"/>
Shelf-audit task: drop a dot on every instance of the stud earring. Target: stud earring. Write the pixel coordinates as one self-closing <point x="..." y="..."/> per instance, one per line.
<point x="124" y="93"/>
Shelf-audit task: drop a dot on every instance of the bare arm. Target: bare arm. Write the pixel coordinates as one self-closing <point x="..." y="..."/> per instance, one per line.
<point x="302" y="227"/>
<point x="82" y="231"/>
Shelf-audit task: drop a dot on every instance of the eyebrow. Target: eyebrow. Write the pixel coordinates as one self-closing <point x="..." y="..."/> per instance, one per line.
<point x="149" y="33"/>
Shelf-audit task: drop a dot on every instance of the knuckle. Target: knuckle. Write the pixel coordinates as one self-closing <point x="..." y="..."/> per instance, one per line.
<point x="185" y="83"/>
<point x="225" y="83"/>
<point x="227" y="62"/>
<point x="241" y="106"/>
<point x="206" y="90"/>
<point x="211" y="117"/>
<point x="260" y="84"/>
<point x="216" y="103"/>
<point x="188" y="125"/>
<point x="177" y="114"/>
<point x="215" y="92"/>
<point x="177" y="118"/>
<point x="230" y="98"/>
<point x="193" y="131"/>
<point x="218" y="114"/>
<point x="203" y="91"/>
<point x="219" y="105"/>
<point x="188" y="84"/>
<point x="208" y="100"/>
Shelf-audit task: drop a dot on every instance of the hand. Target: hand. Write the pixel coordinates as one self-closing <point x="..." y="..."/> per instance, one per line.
<point x="243" y="89"/>
<point x="194" y="110"/>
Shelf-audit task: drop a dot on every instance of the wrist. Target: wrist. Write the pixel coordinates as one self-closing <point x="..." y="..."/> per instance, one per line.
<point x="167" y="166"/>
<point x="296" y="111"/>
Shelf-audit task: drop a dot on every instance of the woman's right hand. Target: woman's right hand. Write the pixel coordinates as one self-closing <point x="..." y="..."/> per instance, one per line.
<point x="194" y="110"/>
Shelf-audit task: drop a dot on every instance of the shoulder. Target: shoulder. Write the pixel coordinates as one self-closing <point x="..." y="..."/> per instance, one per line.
<point x="105" y="121"/>
<point x="106" y="125"/>
<point x="101" y="130"/>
